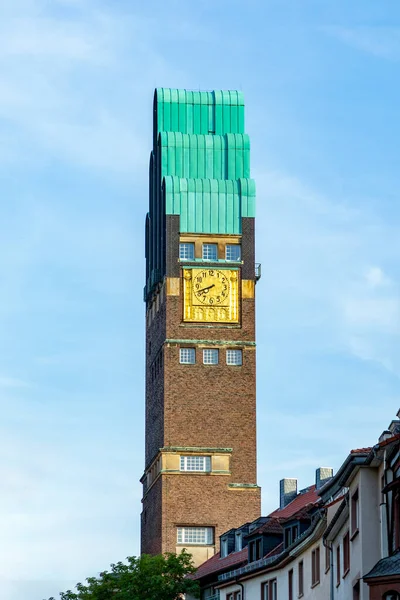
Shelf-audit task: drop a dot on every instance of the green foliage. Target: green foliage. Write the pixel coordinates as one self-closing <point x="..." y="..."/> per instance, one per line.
<point x="161" y="577"/>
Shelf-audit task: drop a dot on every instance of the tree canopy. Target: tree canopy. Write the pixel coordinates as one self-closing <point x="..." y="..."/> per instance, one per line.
<point x="161" y="577"/>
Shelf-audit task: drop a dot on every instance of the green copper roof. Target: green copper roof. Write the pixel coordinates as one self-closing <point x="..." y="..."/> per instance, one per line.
<point x="209" y="205"/>
<point x="199" y="169"/>
<point x="187" y="111"/>
<point x="196" y="155"/>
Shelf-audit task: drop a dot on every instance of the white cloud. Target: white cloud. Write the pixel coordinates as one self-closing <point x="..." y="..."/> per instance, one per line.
<point x="376" y="277"/>
<point x="379" y="314"/>
<point x="382" y="42"/>
<point x="12" y="382"/>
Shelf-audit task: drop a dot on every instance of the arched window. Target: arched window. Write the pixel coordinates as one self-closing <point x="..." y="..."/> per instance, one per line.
<point x="391" y="596"/>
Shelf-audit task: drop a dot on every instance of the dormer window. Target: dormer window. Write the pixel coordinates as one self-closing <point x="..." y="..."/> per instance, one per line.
<point x="238" y="541"/>
<point x="224" y="547"/>
<point x="255" y="550"/>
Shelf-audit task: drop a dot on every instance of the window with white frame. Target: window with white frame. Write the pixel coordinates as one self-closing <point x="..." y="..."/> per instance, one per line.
<point x="195" y="535"/>
<point x="224" y="547"/>
<point x="210" y="356"/>
<point x="233" y="252"/>
<point x="187" y="356"/>
<point x="269" y="590"/>
<point x="186" y="251"/>
<point x="238" y="541"/>
<point x="196" y="463"/>
<point x="234" y="357"/>
<point x="210" y="252"/>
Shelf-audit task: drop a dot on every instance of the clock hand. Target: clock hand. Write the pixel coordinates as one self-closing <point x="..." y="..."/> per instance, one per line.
<point x="205" y="289"/>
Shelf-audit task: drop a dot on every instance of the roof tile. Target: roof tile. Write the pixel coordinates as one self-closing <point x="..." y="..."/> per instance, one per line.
<point x="302" y="501"/>
<point x="215" y="563"/>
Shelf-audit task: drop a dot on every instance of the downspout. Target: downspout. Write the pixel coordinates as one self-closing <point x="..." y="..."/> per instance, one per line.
<point x="332" y="586"/>
<point x="384" y="506"/>
<point x="242" y="586"/>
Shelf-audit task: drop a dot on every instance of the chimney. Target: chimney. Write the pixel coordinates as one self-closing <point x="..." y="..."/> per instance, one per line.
<point x="385" y="435"/>
<point x="322" y="475"/>
<point x="288" y="491"/>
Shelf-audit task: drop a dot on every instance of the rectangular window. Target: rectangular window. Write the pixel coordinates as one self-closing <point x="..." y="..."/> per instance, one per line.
<point x="210" y="356"/>
<point x="290" y="585"/>
<point x="196" y="463"/>
<point x="354" y="513"/>
<point x="234" y="357"/>
<point x="269" y="590"/>
<point x="233" y="252"/>
<point x="210" y="252"/>
<point x="238" y="541"/>
<point x="294" y="532"/>
<point x="288" y="537"/>
<point x="224" y="548"/>
<point x="315" y="567"/>
<point x="301" y="578"/>
<point x="258" y="549"/>
<point x="346" y="554"/>
<point x="338" y="565"/>
<point x="187" y="356"/>
<point x="186" y="251"/>
<point x="327" y="558"/>
<point x="356" y="591"/>
<point x="195" y="535"/>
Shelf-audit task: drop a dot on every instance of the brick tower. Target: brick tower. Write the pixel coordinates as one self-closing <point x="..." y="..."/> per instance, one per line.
<point x="200" y="465"/>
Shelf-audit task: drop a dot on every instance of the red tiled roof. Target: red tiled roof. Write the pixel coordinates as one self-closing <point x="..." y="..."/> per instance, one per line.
<point x="270" y="526"/>
<point x="389" y="440"/>
<point x="360" y="450"/>
<point x="215" y="563"/>
<point x="277" y="550"/>
<point x="297" y="505"/>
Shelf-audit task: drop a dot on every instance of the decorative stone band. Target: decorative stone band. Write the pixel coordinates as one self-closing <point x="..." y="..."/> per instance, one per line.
<point x="168" y="461"/>
<point x="210" y="342"/>
<point x="243" y="486"/>
<point x="196" y="449"/>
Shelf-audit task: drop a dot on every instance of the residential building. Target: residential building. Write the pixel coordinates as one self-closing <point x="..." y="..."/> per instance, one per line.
<point x="338" y="539"/>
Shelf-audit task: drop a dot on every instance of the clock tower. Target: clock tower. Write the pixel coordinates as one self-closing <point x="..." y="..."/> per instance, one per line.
<point x="200" y="462"/>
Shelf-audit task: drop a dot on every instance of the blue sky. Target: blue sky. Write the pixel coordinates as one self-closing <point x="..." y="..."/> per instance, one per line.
<point x="322" y="92"/>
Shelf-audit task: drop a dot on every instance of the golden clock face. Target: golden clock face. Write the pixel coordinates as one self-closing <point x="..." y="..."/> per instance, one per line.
<point x="211" y="287"/>
<point x="211" y="295"/>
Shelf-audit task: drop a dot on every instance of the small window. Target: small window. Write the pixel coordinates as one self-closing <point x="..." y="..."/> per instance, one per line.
<point x="224" y="547"/>
<point x="301" y="578"/>
<point x="234" y="357"/>
<point x="315" y="567"/>
<point x="210" y="252"/>
<point x="269" y="590"/>
<point x="238" y="541"/>
<point x="195" y="535"/>
<point x="346" y="554"/>
<point x="210" y="356"/>
<point x="196" y="463"/>
<point x="338" y="565"/>
<point x="187" y="356"/>
<point x="186" y="251"/>
<point x="354" y="513"/>
<point x="327" y="558"/>
<point x="356" y="591"/>
<point x="233" y="252"/>
<point x="290" y="585"/>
